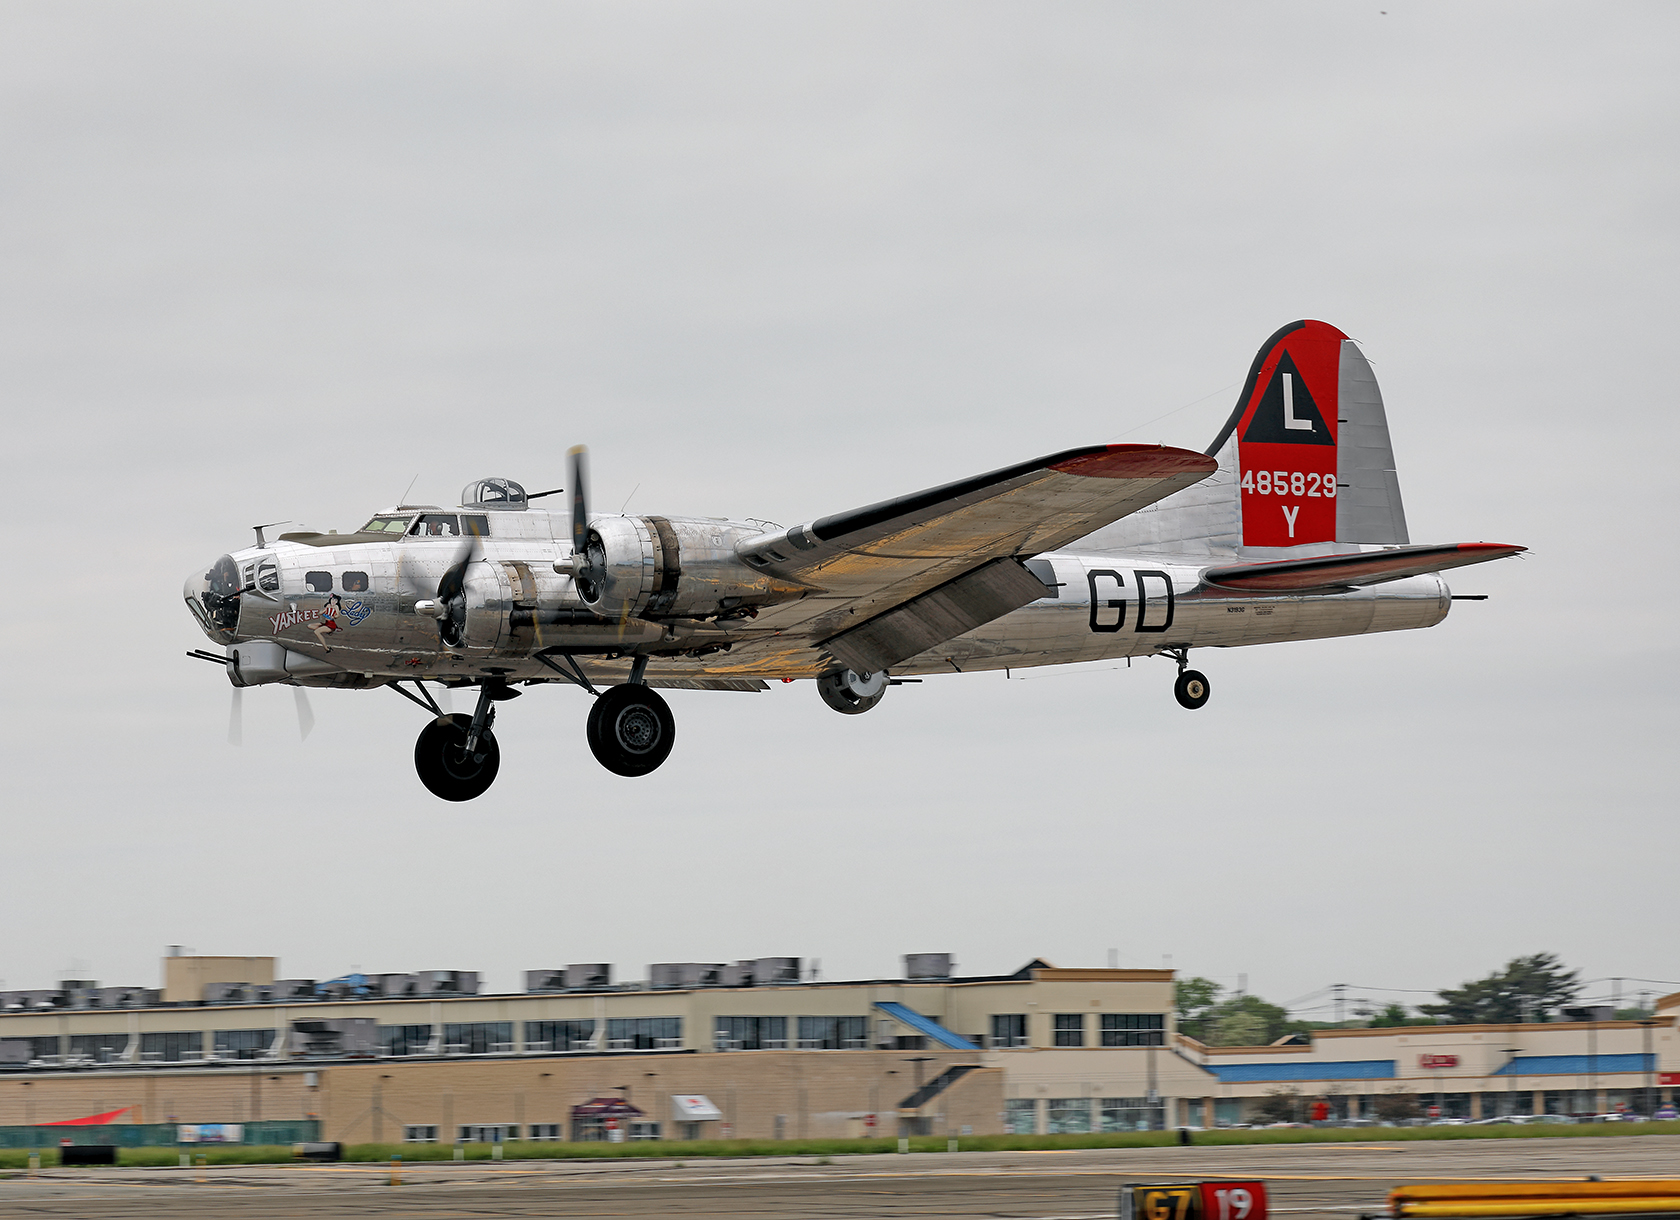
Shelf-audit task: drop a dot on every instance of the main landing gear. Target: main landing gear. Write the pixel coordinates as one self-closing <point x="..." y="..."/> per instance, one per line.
<point x="1192" y="688"/>
<point x="456" y="756"/>
<point x="631" y="731"/>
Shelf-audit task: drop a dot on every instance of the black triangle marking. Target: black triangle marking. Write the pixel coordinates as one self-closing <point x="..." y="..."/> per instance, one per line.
<point x="1268" y="425"/>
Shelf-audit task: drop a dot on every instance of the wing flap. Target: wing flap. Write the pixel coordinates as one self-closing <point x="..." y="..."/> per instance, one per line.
<point x="1363" y="568"/>
<point x="988" y="592"/>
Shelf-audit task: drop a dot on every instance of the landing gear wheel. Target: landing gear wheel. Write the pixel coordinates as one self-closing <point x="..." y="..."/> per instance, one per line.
<point x="631" y="730"/>
<point x="1192" y="689"/>
<point x="444" y="766"/>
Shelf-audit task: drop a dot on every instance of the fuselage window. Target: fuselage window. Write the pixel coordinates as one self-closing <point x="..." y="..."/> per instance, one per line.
<point x="436" y="525"/>
<point x="475" y="525"/>
<point x="386" y="525"/>
<point x="354" y="582"/>
<point x="319" y="582"/>
<point x="268" y="576"/>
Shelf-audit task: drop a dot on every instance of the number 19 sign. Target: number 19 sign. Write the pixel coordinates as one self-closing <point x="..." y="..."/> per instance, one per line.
<point x="1194" y="1201"/>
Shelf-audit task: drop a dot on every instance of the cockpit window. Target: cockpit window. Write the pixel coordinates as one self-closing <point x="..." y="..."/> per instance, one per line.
<point x="475" y="525"/>
<point x="318" y="582"/>
<point x="354" y="582"/>
<point x="436" y="525"/>
<point x="386" y="525"/>
<point x="268" y="577"/>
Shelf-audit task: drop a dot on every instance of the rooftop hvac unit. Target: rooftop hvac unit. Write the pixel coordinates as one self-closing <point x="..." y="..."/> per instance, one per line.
<point x="111" y="997"/>
<point x="738" y="975"/>
<point x="291" y="989"/>
<point x="546" y="980"/>
<point x="589" y="975"/>
<point x="231" y="993"/>
<point x="927" y="965"/>
<point x="347" y="1037"/>
<point x="447" y="982"/>
<point x="774" y="970"/>
<point x="78" y="984"/>
<point x="1592" y="1012"/>
<point x="396" y="986"/>
<point x="687" y="975"/>
<point x="32" y="1001"/>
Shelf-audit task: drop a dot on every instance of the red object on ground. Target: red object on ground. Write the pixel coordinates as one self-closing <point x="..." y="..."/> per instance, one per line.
<point x="92" y="1120"/>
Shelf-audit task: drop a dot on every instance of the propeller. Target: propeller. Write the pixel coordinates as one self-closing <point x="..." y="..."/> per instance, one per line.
<point x="236" y="715"/>
<point x="587" y="563"/>
<point x="451" y="608"/>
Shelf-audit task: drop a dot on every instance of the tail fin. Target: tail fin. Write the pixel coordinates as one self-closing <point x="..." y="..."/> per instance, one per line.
<point x="1304" y="461"/>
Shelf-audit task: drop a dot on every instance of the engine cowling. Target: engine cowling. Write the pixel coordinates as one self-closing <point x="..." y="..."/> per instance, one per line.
<point x="671" y="567"/>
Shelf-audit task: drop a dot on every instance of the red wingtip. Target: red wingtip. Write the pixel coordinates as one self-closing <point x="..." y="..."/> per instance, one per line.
<point x="1137" y="462"/>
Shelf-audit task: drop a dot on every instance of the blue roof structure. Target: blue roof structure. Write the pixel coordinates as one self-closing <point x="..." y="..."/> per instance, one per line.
<point x="1576" y="1065"/>
<point x="926" y="1026"/>
<point x="1263" y="1073"/>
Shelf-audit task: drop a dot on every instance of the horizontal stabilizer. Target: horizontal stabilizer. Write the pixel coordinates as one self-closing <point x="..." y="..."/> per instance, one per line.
<point x="1364" y="568"/>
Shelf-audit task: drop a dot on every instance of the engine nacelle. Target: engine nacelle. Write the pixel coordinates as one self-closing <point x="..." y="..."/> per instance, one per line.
<point x="671" y="567"/>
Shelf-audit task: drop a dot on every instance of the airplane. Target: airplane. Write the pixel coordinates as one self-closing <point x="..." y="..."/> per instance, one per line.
<point x="1289" y="526"/>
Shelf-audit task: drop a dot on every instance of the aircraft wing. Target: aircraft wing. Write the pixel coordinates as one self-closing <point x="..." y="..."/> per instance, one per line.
<point x="894" y="579"/>
<point x="1364" y="568"/>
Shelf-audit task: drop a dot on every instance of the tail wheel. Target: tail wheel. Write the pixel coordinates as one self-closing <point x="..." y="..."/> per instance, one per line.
<point x="631" y="730"/>
<point x="1192" y="689"/>
<point x="444" y="766"/>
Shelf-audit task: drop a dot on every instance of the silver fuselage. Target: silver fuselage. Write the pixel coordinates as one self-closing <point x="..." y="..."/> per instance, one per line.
<point x="346" y="611"/>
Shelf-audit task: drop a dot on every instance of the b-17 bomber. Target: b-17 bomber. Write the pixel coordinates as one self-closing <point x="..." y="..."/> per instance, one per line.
<point x="1288" y="527"/>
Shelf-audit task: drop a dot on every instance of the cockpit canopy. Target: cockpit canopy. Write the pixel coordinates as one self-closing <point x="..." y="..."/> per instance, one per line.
<point x="494" y="493"/>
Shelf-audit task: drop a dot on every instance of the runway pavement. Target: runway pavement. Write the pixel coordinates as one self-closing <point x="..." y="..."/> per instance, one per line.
<point x="1306" y="1182"/>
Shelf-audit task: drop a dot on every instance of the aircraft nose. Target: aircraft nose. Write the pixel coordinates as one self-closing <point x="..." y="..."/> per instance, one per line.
<point x="212" y="594"/>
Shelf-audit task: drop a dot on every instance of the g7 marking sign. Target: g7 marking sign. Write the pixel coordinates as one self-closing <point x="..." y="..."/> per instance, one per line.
<point x="1195" y="1201"/>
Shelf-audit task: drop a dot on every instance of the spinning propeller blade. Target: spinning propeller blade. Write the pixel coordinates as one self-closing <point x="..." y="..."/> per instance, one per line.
<point x="305" y="714"/>
<point x="579" y="456"/>
<point x="236" y="718"/>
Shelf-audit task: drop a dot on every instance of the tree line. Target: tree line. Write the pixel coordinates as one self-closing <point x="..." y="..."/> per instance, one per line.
<point x="1533" y="988"/>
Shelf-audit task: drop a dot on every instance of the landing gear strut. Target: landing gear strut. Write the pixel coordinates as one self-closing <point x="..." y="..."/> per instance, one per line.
<point x="457" y="757"/>
<point x="1192" y="688"/>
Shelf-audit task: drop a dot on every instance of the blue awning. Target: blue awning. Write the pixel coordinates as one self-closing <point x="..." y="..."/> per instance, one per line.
<point x="926" y="1026"/>
<point x="1262" y="1073"/>
<point x="1576" y="1065"/>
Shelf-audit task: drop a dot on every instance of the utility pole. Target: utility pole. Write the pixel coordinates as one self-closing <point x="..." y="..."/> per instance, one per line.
<point x="1341" y="991"/>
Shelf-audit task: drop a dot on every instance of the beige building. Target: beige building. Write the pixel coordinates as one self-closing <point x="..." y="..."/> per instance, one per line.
<point x="767" y="1052"/>
<point x="1043" y="1048"/>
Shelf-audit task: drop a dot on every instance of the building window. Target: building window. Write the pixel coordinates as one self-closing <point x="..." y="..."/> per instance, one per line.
<point x="171" y="1047"/>
<point x="404" y="1039"/>
<point x="1020" y="1116"/>
<point x="318" y="582"/>
<point x="1009" y="1029"/>
<point x="43" y="1048"/>
<point x="354" y="582"/>
<point x="833" y="1033"/>
<point x="243" y="1043"/>
<point x="487" y="1133"/>
<point x="644" y="1131"/>
<point x="750" y="1034"/>
<point x="101" y="1048"/>
<point x="479" y="1038"/>
<point x="546" y="1131"/>
<point x="1130" y="1114"/>
<point x="1070" y="1029"/>
<point x="559" y="1035"/>
<point x="644" y="1033"/>
<point x="1067" y="1116"/>
<point x="419" y="1135"/>
<point x="1134" y="1029"/>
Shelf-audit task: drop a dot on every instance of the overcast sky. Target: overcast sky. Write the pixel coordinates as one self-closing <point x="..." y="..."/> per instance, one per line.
<point x="269" y="261"/>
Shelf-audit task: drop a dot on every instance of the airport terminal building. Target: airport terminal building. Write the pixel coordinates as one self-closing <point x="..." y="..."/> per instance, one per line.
<point x="753" y="1049"/>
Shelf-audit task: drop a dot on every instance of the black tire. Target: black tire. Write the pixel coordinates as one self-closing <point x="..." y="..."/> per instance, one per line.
<point x="631" y="730"/>
<point x="1192" y="689"/>
<point x="444" y="767"/>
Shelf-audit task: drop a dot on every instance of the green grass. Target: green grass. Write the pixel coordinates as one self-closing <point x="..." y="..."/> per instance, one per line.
<point x="521" y="1150"/>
